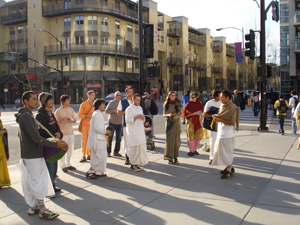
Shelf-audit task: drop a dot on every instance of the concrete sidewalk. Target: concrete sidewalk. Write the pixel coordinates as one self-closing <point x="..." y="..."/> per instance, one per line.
<point x="264" y="190"/>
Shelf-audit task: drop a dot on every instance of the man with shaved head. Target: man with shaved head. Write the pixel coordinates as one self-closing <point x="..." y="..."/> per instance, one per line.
<point x="114" y="121"/>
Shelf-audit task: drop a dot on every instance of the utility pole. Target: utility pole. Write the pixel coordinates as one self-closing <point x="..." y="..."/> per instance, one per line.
<point x="141" y="49"/>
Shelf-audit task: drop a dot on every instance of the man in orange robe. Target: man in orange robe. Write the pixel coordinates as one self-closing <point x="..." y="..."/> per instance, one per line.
<point x="85" y="114"/>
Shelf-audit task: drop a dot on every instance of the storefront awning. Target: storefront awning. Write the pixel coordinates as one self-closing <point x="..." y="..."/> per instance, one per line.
<point x="66" y="34"/>
<point x="19" y="78"/>
<point x="92" y="33"/>
<point x="79" y="33"/>
<point x="77" y="76"/>
<point x="93" y="75"/>
<point x="51" y="76"/>
<point x="3" y="79"/>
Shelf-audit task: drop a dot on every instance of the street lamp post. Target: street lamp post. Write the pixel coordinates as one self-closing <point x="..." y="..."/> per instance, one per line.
<point x="242" y="30"/>
<point x="61" y="60"/>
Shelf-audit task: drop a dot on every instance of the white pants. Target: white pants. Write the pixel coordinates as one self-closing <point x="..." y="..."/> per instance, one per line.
<point x="138" y="155"/>
<point x="36" y="182"/>
<point x="212" y="143"/>
<point x="99" y="157"/>
<point x="66" y="160"/>
<point x="224" y="152"/>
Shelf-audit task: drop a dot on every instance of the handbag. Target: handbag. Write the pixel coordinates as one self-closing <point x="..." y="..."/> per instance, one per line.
<point x="51" y="154"/>
<point x="208" y="121"/>
<point x="5" y="143"/>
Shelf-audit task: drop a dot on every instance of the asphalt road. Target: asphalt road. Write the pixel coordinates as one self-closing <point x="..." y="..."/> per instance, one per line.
<point x="247" y="121"/>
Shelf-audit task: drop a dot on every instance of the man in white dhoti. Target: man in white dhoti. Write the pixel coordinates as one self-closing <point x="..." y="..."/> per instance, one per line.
<point x="135" y="131"/>
<point x="36" y="182"/>
<point x="227" y="119"/>
<point x="97" y="142"/>
<point x="211" y="106"/>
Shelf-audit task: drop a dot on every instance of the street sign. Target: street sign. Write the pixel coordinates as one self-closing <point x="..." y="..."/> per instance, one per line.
<point x="9" y="58"/>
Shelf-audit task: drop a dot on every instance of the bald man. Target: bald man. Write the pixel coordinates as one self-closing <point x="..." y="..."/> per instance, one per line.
<point x="85" y="113"/>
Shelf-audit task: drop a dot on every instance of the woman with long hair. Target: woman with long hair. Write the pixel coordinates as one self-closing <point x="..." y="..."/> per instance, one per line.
<point x="191" y="113"/>
<point x="172" y="112"/>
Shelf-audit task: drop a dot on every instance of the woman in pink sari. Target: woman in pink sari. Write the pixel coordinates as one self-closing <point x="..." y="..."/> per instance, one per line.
<point x="191" y="113"/>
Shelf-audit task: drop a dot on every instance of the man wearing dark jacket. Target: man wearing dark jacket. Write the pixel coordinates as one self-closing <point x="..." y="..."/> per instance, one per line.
<point x="36" y="181"/>
<point x="47" y="119"/>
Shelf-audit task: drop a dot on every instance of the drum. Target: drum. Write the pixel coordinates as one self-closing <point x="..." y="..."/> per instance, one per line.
<point x="52" y="154"/>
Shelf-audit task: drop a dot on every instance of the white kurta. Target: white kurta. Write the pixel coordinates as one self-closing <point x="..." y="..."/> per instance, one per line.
<point x="136" y="141"/>
<point x="97" y="143"/>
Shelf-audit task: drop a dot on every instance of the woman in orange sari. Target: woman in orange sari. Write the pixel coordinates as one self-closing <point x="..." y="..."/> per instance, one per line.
<point x="191" y="113"/>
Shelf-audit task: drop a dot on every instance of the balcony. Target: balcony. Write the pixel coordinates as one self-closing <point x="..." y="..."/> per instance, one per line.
<point x="230" y="51"/>
<point x="216" y="69"/>
<point x="196" y="39"/>
<point x="94" y="6"/>
<point x="111" y="49"/>
<point x="14" y="18"/>
<point x="217" y="46"/>
<point x="172" y="61"/>
<point x="174" y="33"/>
<point x="201" y="66"/>
<point x="160" y="25"/>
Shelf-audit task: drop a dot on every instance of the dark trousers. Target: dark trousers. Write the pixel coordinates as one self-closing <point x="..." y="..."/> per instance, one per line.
<point x="281" y="123"/>
<point x="256" y="108"/>
<point x="52" y="168"/>
<point x="117" y="129"/>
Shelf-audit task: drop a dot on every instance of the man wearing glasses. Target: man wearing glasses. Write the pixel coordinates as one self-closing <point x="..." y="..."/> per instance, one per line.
<point x="114" y="121"/>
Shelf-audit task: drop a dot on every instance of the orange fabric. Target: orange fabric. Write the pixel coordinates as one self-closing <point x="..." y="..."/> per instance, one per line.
<point x="86" y="108"/>
<point x="84" y="138"/>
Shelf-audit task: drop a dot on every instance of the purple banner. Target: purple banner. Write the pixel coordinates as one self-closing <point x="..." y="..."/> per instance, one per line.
<point x="238" y="52"/>
<point x="186" y="69"/>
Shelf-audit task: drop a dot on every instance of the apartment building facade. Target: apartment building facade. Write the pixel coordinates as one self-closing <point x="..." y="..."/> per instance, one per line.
<point x="100" y="50"/>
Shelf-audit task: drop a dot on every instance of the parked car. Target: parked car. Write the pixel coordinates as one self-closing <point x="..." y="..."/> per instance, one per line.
<point x="111" y="96"/>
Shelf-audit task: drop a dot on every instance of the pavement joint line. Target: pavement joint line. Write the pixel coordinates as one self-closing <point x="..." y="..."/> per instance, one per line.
<point x="267" y="183"/>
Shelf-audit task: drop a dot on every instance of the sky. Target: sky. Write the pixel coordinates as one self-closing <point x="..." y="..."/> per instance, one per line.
<point x="213" y="14"/>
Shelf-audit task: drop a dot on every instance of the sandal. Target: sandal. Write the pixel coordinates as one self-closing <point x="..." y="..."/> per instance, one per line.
<point x="101" y="175"/>
<point x="48" y="215"/>
<point x="91" y="175"/>
<point x="33" y="211"/>
<point x="89" y="157"/>
<point x="83" y="159"/>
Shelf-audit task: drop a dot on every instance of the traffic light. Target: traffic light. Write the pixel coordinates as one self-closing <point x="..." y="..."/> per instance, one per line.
<point x="250" y="44"/>
<point x="153" y="71"/>
<point x="66" y="79"/>
<point x="269" y="71"/>
<point x="24" y="57"/>
<point x="148" y="40"/>
<point x="275" y="11"/>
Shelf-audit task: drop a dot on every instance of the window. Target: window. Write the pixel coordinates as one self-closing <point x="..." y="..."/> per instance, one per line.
<point x="104" y="41"/>
<point x="33" y="23"/>
<point x="136" y="30"/>
<point x="178" y="41"/>
<point x="117" y="4"/>
<point x="195" y="50"/>
<point x="103" y="2"/>
<point x="92" y="20"/>
<point x="137" y="64"/>
<point x="93" y="60"/>
<point x="12" y="30"/>
<point x="92" y="40"/>
<point x="66" y="61"/>
<point x="104" y="21"/>
<point x="79" y="20"/>
<point x="67" y="4"/>
<point x="33" y="3"/>
<point x="67" y="21"/>
<point x="79" y="40"/>
<point x="117" y="23"/>
<point x="129" y="28"/>
<point x="78" y="1"/>
<point x="20" y="29"/>
<point x="79" y="60"/>
<point x="118" y="44"/>
<point x="105" y="60"/>
<point x="162" y="38"/>
<point x="129" y="64"/>
<point x="170" y="42"/>
<point x="118" y="62"/>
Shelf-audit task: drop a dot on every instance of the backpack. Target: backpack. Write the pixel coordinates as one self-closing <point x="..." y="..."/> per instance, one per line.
<point x="282" y="108"/>
<point x="296" y="101"/>
<point x="153" y="108"/>
<point x="255" y="98"/>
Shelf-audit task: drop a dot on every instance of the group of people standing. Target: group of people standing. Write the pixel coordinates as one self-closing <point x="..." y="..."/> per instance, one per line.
<point x="55" y="130"/>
